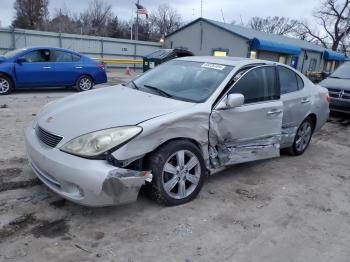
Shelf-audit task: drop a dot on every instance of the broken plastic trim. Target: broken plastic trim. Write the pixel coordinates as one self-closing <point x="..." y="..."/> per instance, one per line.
<point x="123" y="185"/>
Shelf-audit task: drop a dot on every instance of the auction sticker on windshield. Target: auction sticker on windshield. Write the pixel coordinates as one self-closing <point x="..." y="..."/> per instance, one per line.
<point x="213" y="66"/>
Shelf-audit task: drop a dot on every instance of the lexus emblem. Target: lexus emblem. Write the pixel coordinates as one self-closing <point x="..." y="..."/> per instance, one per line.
<point x="48" y="120"/>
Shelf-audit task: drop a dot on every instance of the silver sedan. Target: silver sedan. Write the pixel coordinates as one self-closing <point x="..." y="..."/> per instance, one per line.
<point x="170" y="127"/>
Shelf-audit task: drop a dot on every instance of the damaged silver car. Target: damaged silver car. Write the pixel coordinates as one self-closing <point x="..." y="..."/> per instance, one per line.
<point x="170" y="127"/>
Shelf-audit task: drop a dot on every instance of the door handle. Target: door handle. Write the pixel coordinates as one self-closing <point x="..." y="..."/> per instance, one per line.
<point x="305" y="100"/>
<point x="47" y="67"/>
<point x="274" y="112"/>
<point x="78" y="67"/>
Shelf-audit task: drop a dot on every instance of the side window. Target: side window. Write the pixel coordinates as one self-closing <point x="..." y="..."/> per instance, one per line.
<point x="288" y="80"/>
<point x="312" y="64"/>
<point x="38" y="56"/>
<point x="61" y="56"/>
<point x="300" y="82"/>
<point x="257" y="85"/>
<point x="75" y="58"/>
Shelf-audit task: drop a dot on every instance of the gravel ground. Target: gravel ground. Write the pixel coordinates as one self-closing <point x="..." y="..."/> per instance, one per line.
<point x="285" y="209"/>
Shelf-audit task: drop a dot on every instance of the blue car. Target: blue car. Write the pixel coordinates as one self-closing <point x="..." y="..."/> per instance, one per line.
<point x="41" y="67"/>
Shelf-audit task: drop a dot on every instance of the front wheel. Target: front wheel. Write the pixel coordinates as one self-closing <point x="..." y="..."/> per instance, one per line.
<point x="84" y="83"/>
<point x="6" y="85"/>
<point x="178" y="171"/>
<point x="302" y="137"/>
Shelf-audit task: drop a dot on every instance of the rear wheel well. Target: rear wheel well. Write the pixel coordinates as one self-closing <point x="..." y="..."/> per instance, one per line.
<point x="314" y="119"/>
<point x="92" y="78"/>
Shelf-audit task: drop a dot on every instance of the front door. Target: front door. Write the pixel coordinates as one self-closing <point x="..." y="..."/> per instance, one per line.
<point x="36" y="71"/>
<point x="251" y="131"/>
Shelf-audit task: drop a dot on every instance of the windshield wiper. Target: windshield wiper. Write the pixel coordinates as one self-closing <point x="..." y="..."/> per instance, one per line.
<point x="160" y="91"/>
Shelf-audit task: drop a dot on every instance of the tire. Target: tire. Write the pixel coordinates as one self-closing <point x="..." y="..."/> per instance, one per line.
<point x="177" y="185"/>
<point x="6" y="85"/>
<point x="302" y="138"/>
<point x="84" y="83"/>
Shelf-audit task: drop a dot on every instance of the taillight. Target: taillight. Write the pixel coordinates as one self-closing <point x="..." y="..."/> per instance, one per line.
<point x="102" y="66"/>
<point x="328" y="98"/>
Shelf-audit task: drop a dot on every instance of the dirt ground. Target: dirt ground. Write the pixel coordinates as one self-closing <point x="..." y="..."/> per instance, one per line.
<point x="285" y="209"/>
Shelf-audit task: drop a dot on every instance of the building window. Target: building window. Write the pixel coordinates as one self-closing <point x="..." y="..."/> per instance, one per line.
<point x="220" y="52"/>
<point x="312" y="65"/>
<point x="282" y="59"/>
<point x="328" y="66"/>
<point x="253" y="54"/>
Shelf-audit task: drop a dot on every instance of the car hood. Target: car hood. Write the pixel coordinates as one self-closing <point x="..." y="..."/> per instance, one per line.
<point x="336" y="83"/>
<point x="104" y="108"/>
<point x="2" y="59"/>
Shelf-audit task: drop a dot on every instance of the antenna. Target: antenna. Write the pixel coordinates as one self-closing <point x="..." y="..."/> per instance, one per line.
<point x="240" y="16"/>
<point x="201" y="8"/>
<point x="222" y="14"/>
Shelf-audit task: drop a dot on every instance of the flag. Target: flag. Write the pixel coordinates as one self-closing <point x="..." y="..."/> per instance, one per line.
<point x="141" y="10"/>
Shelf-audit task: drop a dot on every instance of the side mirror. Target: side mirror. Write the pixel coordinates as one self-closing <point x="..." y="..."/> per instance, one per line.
<point x="234" y="100"/>
<point x="21" y="60"/>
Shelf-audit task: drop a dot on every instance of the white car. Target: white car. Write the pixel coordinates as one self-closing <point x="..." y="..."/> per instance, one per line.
<point x="170" y="127"/>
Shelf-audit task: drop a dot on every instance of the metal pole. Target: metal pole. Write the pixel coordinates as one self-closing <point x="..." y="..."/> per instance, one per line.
<point x="201" y="8"/>
<point x="137" y="22"/>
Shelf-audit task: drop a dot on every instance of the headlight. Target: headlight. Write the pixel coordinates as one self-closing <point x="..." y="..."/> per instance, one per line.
<point x="96" y="143"/>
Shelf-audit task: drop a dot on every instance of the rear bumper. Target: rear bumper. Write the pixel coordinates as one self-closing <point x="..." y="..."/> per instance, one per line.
<point x="83" y="181"/>
<point x="340" y="105"/>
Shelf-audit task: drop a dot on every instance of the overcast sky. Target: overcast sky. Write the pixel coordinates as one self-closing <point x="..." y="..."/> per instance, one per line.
<point x="189" y="9"/>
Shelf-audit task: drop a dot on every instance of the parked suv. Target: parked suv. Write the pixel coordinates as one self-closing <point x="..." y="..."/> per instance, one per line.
<point x="338" y="85"/>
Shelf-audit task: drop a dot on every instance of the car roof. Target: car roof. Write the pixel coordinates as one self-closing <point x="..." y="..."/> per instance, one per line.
<point x="226" y="60"/>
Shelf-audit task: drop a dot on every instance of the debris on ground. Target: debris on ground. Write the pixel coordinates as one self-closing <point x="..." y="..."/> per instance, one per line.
<point x="246" y="193"/>
<point x="183" y="230"/>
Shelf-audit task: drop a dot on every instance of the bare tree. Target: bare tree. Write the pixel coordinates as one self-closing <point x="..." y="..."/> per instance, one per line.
<point x="333" y="17"/>
<point x="95" y="18"/>
<point x="165" y="20"/>
<point x="65" y="22"/>
<point x="30" y="14"/>
<point x="274" y="25"/>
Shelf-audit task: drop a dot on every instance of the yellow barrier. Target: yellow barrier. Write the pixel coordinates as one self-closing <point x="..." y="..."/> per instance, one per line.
<point x="118" y="61"/>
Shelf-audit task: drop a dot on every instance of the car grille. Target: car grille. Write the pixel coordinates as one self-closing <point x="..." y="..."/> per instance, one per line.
<point x="339" y="93"/>
<point x="46" y="137"/>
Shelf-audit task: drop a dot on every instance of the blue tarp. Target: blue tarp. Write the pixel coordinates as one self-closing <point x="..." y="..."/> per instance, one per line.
<point x="332" y="55"/>
<point x="259" y="44"/>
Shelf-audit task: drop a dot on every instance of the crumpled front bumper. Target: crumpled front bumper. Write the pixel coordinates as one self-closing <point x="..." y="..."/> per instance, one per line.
<point x="83" y="181"/>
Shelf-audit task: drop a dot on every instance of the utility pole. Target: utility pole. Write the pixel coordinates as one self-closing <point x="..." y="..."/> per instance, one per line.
<point x="222" y="14"/>
<point x="201" y="8"/>
<point x="137" y="22"/>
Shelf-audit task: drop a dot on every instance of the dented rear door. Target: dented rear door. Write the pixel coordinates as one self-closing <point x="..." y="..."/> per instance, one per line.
<point x="251" y="131"/>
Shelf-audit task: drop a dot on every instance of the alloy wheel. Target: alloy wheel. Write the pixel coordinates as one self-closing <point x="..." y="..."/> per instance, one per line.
<point x="181" y="174"/>
<point x="303" y="136"/>
<point x="85" y="84"/>
<point x="4" y="85"/>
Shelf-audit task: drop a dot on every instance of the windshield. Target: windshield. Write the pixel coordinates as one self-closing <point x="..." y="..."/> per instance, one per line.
<point x="342" y="71"/>
<point x="12" y="53"/>
<point x="182" y="80"/>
